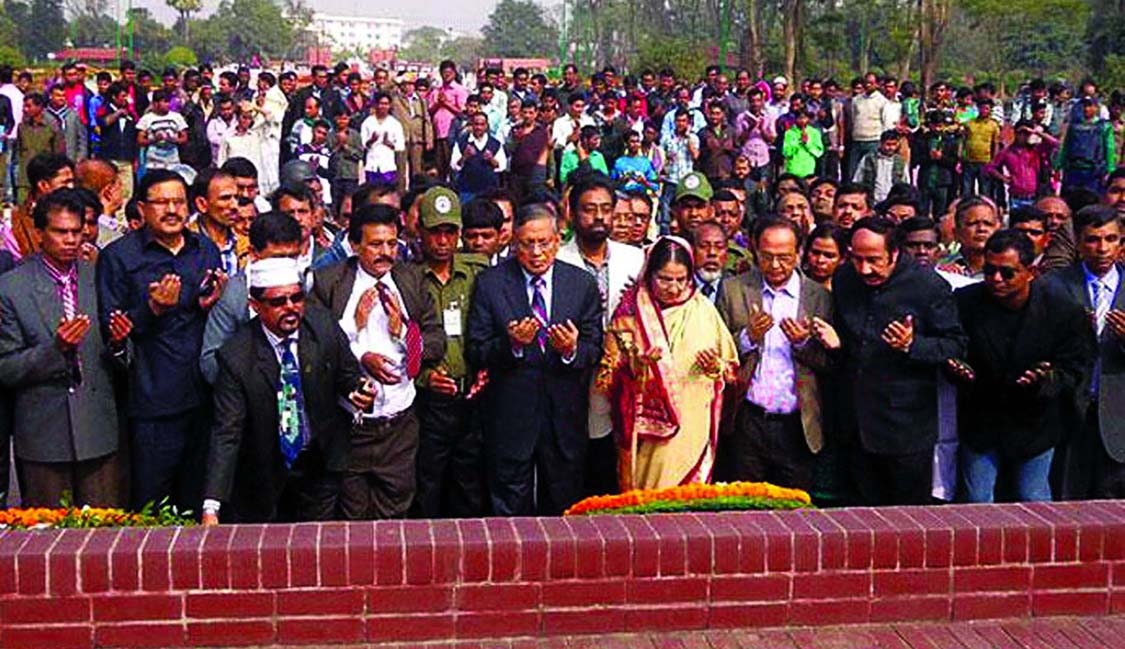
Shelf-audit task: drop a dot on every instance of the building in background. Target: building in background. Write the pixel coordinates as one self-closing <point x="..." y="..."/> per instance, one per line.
<point x="357" y="33"/>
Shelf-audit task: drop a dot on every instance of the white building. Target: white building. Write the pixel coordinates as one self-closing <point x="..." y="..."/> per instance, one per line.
<point x="356" y="32"/>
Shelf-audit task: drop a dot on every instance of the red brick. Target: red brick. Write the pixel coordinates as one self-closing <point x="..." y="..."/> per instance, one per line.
<point x="32" y="563"/>
<point x="1039" y="543"/>
<point x="497" y="597"/>
<point x="673" y="545"/>
<point x="755" y="588"/>
<point x="618" y="547"/>
<point x="858" y="539"/>
<point x="533" y="549"/>
<point x="911" y="582"/>
<point x="503" y="549"/>
<point x="138" y="607"/>
<point x="46" y="637"/>
<point x="320" y="630"/>
<point x="838" y="585"/>
<point x="588" y="547"/>
<point x="156" y="560"/>
<point x="597" y="620"/>
<point x="243" y="556"/>
<point x="332" y="554"/>
<point x="991" y="606"/>
<point x="840" y="611"/>
<point x="1091" y="540"/>
<point x="660" y="591"/>
<point x="124" y="566"/>
<point x="215" y="556"/>
<point x="361" y="553"/>
<point x="139" y="635"/>
<point x="62" y="562"/>
<point x="1066" y="543"/>
<point x="409" y="599"/>
<point x="698" y="532"/>
<point x="909" y="609"/>
<point x="964" y="544"/>
<point x="273" y="554"/>
<point x="409" y="628"/>
<point x="1083" y="575"/>
<point x="665" y="618"/>
<point x="302" y="555"/>
<point x="911" y="536"/>
<point x="561" y="551"/>
<point x="485" y="625"/>
<point x="323" y="601"/>
<point x="42" y="610"/>
<point x="1015" y="544"/>
<point x="779" y="541"/>
<point x="1117" y="602"/>
<point x="741" y="616"/>
<point x="806" y="551"/>
<point x="724" y="545"/>
<point x="10" y="544"/>
<point x="751" y="542"/>
<point x="390" y="554"/>
<point x="230" y="633"/>
<point x="230" y="605"/>
<point x="833" y="539"/>
<point x="645" y="543"/>
<point x="419" y="552"/>
<point x="185" y="558"/>
<point x="448" y="551"/>
<point x="583" y="593"/>
<point x="991" y="579"/>
<point x="1070" y="603"/>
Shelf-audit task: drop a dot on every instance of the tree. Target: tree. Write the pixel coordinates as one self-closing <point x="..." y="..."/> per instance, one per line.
<point x="681" y="54"/>
<point x="423" y="44"/>
<point x="242" y="29"/>
<point x="180" y="56"/>
<point x="519" y="28"/>
<point x="185" y="8"/>
<point x="46" y="28"/>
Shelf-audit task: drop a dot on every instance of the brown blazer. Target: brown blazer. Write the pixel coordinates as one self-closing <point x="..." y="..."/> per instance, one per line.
<point x="332" y="286"/>
<point x="735" y="298"/>
<point x="417" y="129"/>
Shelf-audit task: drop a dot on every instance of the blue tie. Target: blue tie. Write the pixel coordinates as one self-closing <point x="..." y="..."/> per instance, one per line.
<point x="293" y="424"/>
<point x="539" y="309"/>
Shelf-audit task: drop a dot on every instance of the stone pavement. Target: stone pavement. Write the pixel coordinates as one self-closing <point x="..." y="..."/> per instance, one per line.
<point x="1038" y="633"/>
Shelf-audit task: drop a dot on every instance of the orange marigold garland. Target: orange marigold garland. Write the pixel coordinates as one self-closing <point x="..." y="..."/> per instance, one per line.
<point x="68" y="516"/>
<point x="731" y="496"/>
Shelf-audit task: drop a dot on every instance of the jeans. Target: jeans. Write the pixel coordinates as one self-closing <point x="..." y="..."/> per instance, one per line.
<point x="1029" y="476"/>
<point x="973" y="172"/>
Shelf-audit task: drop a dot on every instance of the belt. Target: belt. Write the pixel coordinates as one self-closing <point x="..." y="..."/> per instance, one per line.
<point x="769" y="416"/>
<point x="382" y="422"/>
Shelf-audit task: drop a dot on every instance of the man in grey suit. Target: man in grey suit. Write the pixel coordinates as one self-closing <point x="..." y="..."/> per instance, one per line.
<point x="778" y="428"/>
<point x="57" y="365"/>
<point x="1092" y="463"/>
<point x="272" y="234"/>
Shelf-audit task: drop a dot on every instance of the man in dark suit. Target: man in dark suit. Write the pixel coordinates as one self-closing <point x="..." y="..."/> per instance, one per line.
<point x="54" y="360"/>
<point x="536" y="326"/>
<point x="897" y="325"/>
<point x="6" y="264"/>
<point x="778" y="427"/>
<point x="394" y="331"/>
<point x="1092" y="463"/>
<point x="1027" y="353"/>
<point x="279" y="445"/>
<point x="711" y="249"/>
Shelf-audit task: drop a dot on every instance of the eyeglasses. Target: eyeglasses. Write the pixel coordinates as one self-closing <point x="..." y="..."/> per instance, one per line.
<point x="166" y="202"/>
<point x="783" y="260"/>
<point x="535" y="246"/>
<point x="281" y="300"/>
<point x="1006" y="273"/>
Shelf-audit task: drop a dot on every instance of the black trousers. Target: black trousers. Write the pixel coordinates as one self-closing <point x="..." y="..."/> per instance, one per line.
<point x="893" y="479"/>
<point x="167" y="458"/>
<point x="601" y="466"/>
<point x="449" y="467"/>
<point x="379" y="482"/>
<point x="311" y="493"/>
<point x="5" y="448"/>
<point x="770" y="448"/>
<point x="545" y="484"/>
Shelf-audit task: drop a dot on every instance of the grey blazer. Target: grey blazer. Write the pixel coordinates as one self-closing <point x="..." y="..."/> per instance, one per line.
<point x="229" y="313"/>
<point x="51" y="423"/>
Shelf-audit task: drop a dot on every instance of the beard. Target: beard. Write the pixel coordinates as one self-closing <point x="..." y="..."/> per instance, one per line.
<point x="709" y="276"/>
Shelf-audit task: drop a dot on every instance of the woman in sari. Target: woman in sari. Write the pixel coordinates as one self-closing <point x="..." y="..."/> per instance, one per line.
<point x="667" y="357"/>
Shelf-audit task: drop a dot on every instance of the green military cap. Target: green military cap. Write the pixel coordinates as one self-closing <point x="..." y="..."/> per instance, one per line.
<point x="694" y="185"/>
<point x="439" y="206"/>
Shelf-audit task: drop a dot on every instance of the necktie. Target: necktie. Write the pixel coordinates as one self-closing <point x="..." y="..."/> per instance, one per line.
<point x="1101" y="304"/>
<point x="708" y="290"/>
<point x="293" y="427"/>
<point x="539" y="309"/>
<point x="412" y="336"/>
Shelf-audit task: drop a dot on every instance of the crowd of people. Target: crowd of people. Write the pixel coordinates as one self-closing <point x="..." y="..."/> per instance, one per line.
<point x="358" y="297"/>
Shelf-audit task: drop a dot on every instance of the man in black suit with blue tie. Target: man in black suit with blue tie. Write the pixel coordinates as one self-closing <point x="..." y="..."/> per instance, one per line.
<point x="535" y="324"/>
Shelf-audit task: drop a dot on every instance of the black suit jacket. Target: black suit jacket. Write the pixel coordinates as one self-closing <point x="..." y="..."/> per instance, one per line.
<point x="332" y="286"/>
<point x="890" y="397"/>
<point x="996" y="414"/>
<point x="1110" y="352"/>
<point x="537" y="394"/>
<point x="246" y="470"/>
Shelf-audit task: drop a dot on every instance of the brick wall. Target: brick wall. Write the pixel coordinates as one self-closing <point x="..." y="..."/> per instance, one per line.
<point x="419" y="580"/>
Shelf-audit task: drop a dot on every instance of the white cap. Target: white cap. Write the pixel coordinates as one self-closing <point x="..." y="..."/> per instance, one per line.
<point x="276" y="271"/>
<point x="780" y="79"/>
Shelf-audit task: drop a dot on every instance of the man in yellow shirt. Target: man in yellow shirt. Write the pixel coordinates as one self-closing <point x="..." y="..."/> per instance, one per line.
<point x="982" y="143"/>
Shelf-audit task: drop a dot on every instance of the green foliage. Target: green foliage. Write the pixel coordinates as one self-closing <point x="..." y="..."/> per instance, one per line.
<point x="519" y="28"/>
<point x="684" y="56"/>
<point x="11" y="56"/>
<point x="180" y="56"/>
<point x="45" y="29"/>
<point x="240" y="29"/>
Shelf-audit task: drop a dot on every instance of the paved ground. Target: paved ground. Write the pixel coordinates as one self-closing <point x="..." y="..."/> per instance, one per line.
<point x="1041" y="633"/>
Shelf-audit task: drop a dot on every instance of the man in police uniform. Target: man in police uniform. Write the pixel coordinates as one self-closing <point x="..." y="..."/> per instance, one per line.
<point x="449" y="452"/>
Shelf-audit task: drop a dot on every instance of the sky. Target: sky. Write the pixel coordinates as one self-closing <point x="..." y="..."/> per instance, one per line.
<point x="462" y="15"/>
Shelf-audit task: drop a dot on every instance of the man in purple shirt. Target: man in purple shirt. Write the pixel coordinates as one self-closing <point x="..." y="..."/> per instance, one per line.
<point x="446" y="102"/>
<point x="776" y="431"/>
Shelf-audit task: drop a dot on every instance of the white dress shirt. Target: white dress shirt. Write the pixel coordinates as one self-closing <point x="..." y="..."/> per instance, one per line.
<point x="774" y="384"/>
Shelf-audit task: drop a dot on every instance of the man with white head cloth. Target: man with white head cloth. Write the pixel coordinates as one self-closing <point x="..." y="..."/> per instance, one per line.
<point x="280" y="441"/>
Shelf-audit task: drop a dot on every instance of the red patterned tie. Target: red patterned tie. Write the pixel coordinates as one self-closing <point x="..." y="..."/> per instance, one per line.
<point x="413" y="337"/>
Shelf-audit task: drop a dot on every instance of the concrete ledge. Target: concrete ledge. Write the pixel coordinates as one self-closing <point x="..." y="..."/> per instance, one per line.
<point x="415" y="581"/>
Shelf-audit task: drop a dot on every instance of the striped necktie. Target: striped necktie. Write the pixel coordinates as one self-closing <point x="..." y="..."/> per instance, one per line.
<point x="539" y="309"/>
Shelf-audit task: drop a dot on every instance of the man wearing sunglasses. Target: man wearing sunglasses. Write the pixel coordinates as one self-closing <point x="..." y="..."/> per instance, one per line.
<point x="280" y="442"/>
<point x="1027" y="353"/>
